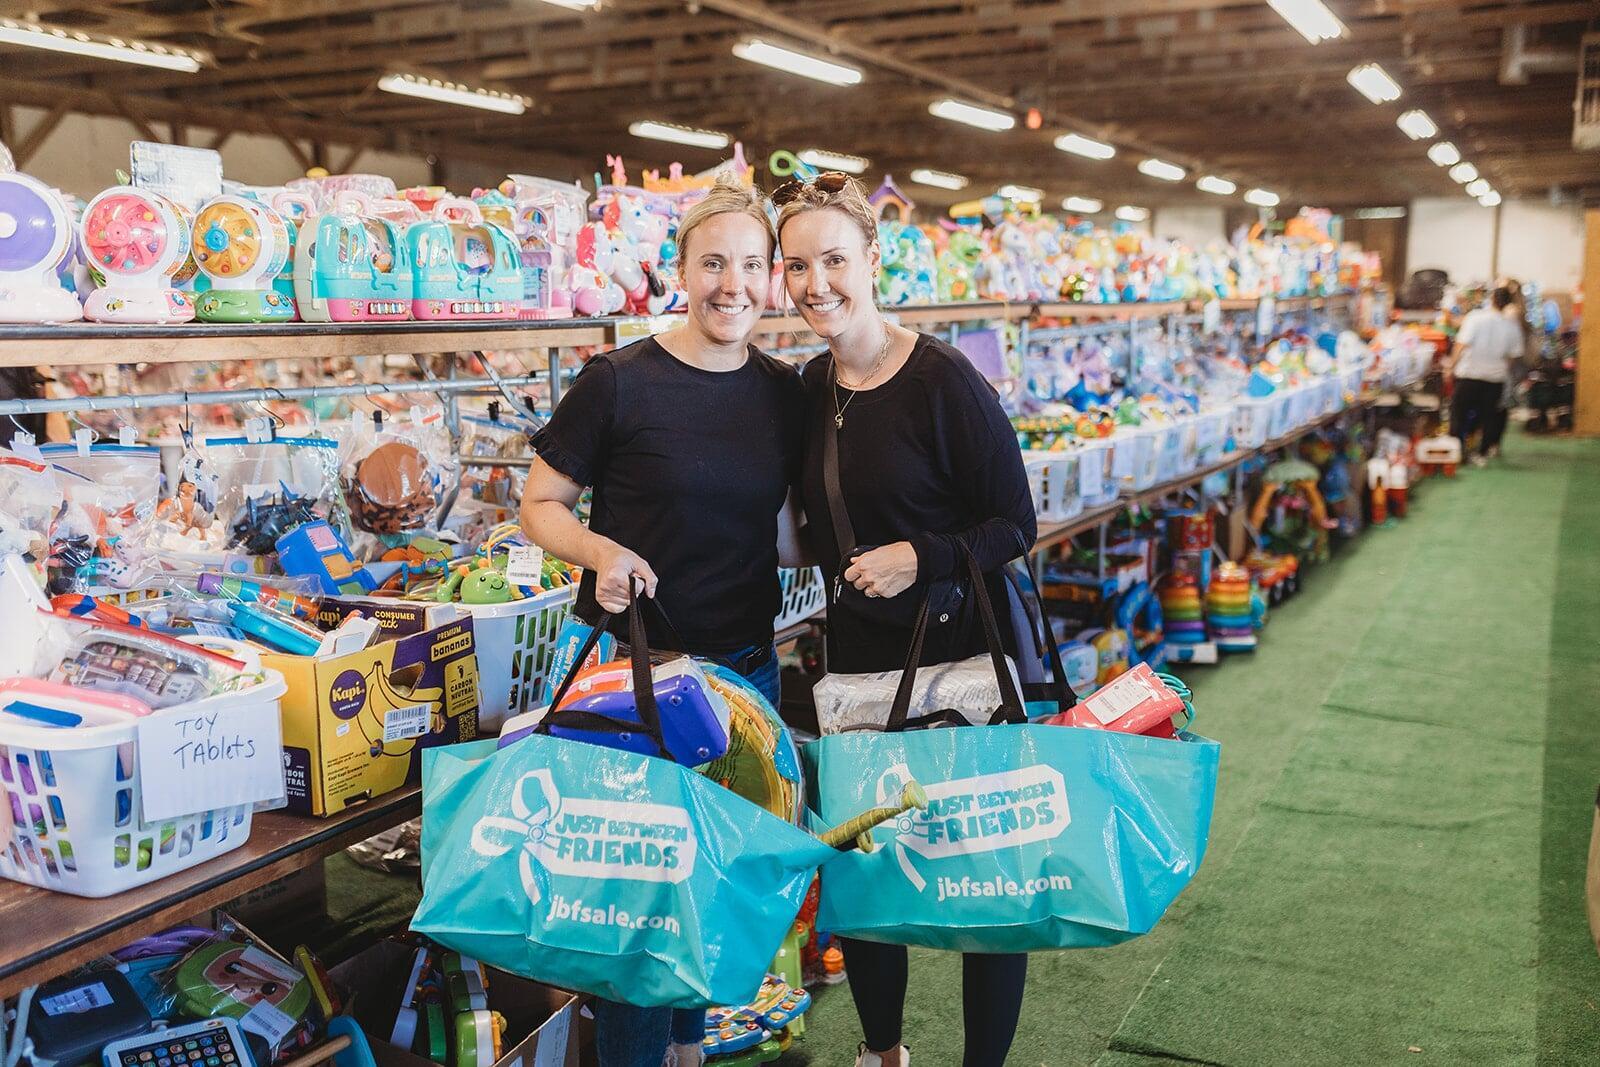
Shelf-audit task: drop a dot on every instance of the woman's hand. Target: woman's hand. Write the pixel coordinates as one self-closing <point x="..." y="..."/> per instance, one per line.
<point x="618" y="567"/>
<point x="884" y="572"/>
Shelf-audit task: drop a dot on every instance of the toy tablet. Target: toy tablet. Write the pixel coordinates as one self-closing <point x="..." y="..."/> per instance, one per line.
<point x="159" y="670"/>
<point x="40" y="703"/>
<point x="208" y="1043"/>
<point x="73" y="1017"/>
<point x="280" y="631"/>
<point x="694" y="717"/>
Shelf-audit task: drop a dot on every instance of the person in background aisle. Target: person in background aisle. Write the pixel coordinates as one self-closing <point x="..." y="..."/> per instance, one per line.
<point x="691" y="441"/>
<point x="1516" y="369"/>
<point x="1485" y="346"/>
<point x="926" y="458"/>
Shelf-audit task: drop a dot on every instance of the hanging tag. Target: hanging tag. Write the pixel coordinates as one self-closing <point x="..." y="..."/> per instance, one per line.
<point x="83" y="437"/>
<point x="24" y="445"/>
<point x="526" y="565"/>
<point x="257" y="431"/>
<point x="126" y="436"/>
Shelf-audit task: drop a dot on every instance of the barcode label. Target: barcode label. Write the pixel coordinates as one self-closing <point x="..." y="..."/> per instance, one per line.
<point x="270" y="1021"/>
<point x="1117" y="698"/>
<point x="402" y="724"/>
<point x="525" y="565"/>
<point x="77" y="1001"/>
<point x="265" y="963"/>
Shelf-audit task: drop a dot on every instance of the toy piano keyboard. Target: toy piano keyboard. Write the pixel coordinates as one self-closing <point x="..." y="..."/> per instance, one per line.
<point x="753" y="1033"/>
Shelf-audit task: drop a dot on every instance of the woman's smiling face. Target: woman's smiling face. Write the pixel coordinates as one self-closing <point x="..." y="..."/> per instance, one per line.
<point x="727" y="272"/>
<point x="830" y="270"/>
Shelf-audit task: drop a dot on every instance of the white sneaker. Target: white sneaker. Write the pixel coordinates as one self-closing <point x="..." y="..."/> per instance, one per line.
<point x="1479" y="461"/>
<point x="872" y="1059"/>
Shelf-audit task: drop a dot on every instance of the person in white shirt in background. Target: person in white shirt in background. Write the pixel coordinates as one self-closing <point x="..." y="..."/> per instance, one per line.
<point x="1517" y="312"/>
<point x="1485" y="346"/>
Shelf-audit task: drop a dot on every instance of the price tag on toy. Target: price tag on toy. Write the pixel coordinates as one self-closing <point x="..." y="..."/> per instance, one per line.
<point x="1266" y="317"/>
<point x="192" y="761"/>
<point x="525" y="566"/>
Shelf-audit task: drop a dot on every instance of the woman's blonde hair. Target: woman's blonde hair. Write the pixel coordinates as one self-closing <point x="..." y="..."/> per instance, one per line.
<point x="849" y="196"/>
<point x="727" y="197"/>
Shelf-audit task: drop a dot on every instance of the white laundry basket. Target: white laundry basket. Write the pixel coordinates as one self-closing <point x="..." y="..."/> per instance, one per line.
<point x="1054" y="478"/>
<point x="804" y="594"/>
<point x="514" y="643"/>
<point x="1252" y="420"/>
<point x="73" y="802"/>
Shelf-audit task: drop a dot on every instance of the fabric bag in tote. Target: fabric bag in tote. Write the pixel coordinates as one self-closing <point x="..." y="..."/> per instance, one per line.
<point x="1034" y="837"/>
<point x="605" y="871"/>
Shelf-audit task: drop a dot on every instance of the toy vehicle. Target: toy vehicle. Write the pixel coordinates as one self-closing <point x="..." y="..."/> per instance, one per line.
<point x="353" y="266"/>
<point x="463" y="267"/>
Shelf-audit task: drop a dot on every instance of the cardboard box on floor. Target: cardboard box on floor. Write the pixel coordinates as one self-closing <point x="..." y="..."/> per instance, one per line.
<point x="541" y="1022"/>
<point x="354" y="724"/>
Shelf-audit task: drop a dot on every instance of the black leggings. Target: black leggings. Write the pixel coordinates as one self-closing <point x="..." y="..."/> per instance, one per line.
<point x="1477" y="404"/>
<point x="991" y="997"/>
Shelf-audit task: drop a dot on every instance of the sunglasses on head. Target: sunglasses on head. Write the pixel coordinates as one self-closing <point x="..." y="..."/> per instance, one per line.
<point x="829" y="181"/>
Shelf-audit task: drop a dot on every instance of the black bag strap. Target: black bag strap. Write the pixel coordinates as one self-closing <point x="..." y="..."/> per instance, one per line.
<point x="644" y="694"/>
<point x="1010" y="710"/>
<point x="838" y="515"/>
<point x="1039" y="627"/>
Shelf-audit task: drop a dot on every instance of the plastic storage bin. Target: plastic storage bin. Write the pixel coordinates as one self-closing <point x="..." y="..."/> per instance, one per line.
<point x="514" y="644"/>
<point x="1054" y="479"/>
<point x="1134" y="457"/>
<point x="1280" y="413"/>
<point x="1213" y="427"/>
<point x="1169" y="450"/>
<point x="73" y="801"/>
<point x="804" y="594"/>
<point x="1350" y="384"/>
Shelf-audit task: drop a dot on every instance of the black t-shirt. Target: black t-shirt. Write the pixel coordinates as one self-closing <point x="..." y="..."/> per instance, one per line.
<point x="690" y="469"/>
<point x="927" y="457"/>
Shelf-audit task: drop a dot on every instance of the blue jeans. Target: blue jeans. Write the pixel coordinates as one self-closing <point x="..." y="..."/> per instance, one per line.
<point x="626" y="1036"/>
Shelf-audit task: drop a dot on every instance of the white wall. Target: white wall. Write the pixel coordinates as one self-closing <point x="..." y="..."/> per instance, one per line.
<point x="84" y="153"/>
<point x="1538" y="241"/>
<point x="1195" y="226"/>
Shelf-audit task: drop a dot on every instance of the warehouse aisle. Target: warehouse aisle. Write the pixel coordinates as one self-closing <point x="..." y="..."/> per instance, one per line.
<point x="1397" y="860"/>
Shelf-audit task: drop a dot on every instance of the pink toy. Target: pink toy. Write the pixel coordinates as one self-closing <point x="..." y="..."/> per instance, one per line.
<point x="593" y="290"/>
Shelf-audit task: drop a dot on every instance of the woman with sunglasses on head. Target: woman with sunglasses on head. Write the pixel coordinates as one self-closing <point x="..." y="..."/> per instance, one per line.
<point x="927" y="468"/>
<point x="691" y="441"/>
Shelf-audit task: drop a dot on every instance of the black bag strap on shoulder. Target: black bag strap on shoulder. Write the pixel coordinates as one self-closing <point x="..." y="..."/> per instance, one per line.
<point x="1011" y="708"/>
<point x="644" y="694"/>
<point x="844" y="533"/>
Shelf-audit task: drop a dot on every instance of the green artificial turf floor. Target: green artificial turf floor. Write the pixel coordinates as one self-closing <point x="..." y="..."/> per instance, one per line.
<point x="1396" y="865"/>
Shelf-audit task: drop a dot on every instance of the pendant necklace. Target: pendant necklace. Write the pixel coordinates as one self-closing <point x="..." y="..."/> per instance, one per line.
<point x="838" y="408"/>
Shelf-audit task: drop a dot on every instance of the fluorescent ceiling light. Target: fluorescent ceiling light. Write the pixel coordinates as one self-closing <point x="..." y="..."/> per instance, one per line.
<point x="1311" y="17"/>
<point x="451" y="93"/>
<point x="1464" y="173"/>
<point x="1480" y="187"/>
<point x="1261" y="198"/>
<point x="1129" y="213"/>
<point x="1374" y="83"/>
<point x="1083" y="205"/>
<point x="1489" y="199"/>
<point x="786" y="59"/>
<point x="1416" y="125"/>
<point x="1025" y="194"/>
<point x="666" y="131"/>
<point x="575" y="5"/>
<point x="971" y="114"/>
<point x="938" y="179"/>
<point x="1160" y="168"/>
<point x="1444" y="154"/>
<point x="78" y="43"/>
<point x="821" y="157"/>
<point x="1381" y="213"/>
<point x="1213" y="184"/>
<point x="1088" y="147"/>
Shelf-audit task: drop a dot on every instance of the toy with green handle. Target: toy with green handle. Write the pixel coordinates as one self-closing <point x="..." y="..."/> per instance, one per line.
<point x="857" y="832"/>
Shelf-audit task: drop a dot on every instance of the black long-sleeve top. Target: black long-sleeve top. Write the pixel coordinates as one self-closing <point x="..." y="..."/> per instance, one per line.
<point x="927" y="457"/>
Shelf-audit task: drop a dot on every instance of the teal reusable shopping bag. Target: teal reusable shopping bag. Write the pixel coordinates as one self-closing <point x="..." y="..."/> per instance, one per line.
<point x="607" y="872"/>
<point x="1034" y="837"/>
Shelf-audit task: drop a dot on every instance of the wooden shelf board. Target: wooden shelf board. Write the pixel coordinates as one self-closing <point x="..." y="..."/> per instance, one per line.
<point x="43" y="934"/>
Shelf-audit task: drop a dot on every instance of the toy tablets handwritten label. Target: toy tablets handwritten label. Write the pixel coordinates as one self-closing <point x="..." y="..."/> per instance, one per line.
<point x="526" y="565"/>
<point x="402" y="724"/>
<point x="270" y="1021"/>
<point x="191" y="762"/>
<point x="77" y="1001"/>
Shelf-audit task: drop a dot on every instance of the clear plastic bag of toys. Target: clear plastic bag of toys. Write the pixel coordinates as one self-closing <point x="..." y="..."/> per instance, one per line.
<point x="132" y="661"/>
<point x="232" y="975"/>
<point x="265" y="488"/>
<point x="30" y="500"/>
<point x="396" y="471"/>
<point x="185" y="524"/>
<point x="111" y="490"/>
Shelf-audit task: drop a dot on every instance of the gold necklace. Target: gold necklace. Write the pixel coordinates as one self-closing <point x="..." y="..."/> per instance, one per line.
<point x="877" y="365"/>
